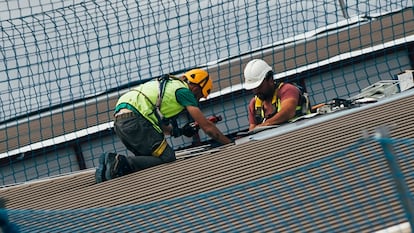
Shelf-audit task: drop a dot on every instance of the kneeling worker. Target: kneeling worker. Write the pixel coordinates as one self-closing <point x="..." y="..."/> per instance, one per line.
<point x="145" y="114"/>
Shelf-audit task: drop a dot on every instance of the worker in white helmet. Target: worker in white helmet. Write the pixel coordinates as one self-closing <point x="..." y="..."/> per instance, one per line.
<point x="274" y="102"/>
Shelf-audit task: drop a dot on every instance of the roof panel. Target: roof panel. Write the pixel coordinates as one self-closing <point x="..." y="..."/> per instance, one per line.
<point x="325" y="176"/>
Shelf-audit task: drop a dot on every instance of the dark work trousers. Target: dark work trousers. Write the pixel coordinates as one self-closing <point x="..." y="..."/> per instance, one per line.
<point x="140" y="137"/>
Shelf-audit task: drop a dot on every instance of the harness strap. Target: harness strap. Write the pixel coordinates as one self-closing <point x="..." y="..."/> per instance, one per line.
<point x="259" y="112"/>
<point x="163" y="82"/>
<point x="160" y="149"/>
<point x="146" y="97"/>
<point x="156" y="108"/>
<point x="302" y="108"/>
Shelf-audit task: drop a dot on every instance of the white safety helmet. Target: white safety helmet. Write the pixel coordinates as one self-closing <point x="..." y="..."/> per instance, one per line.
<point x="254" y="73"/>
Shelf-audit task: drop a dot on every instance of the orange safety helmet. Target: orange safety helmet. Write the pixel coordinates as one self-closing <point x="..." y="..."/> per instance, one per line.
<point x="200" y="77"/>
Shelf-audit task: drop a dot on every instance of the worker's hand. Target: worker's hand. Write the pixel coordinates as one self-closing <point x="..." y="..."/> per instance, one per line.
<point x="170" y="130"/>
<point x="189" y="130"/>
<point x="167" y="129"/>
<point x="176" y="132"/>
<point x="263" y="124"/>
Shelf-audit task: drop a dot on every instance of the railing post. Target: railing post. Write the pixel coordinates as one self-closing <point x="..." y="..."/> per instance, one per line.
<point x="343" y="8"/>
<point x="383" y="138"/>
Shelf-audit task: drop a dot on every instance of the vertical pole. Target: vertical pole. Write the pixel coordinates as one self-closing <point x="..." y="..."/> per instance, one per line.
<point x="398" y="176"/>
<point x="343" y="8"/>
<point x="79" y="155"/>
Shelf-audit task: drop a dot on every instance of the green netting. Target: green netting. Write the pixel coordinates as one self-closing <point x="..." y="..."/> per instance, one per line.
<point x="55" y="53"/>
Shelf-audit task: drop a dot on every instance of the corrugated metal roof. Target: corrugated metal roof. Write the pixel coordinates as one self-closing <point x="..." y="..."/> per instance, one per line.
<point x="292" y="182"/>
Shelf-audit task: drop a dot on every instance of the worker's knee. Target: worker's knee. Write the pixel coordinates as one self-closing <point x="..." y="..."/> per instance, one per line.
<point x="164" y="152"/>
<point x="168" y="155"/>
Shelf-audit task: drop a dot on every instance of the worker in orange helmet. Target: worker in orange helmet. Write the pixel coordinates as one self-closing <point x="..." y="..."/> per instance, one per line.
<point x="145" y="114"/>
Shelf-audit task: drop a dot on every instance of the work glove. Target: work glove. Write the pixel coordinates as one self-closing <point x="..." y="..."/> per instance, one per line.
<point x="176" y="132"/>
<point x="189" y="130"/>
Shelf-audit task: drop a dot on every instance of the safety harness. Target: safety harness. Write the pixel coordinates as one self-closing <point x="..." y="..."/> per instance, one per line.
<point x="162" y="121"/>
<point x="156" y="107"/>
<point x="302" y="108"/>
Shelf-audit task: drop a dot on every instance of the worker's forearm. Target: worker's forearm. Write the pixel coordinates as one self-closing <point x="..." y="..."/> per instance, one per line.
<point x="218" y="136"/>
<point x="271" y="122"/>
<point x="279" y="118"/>
<point x="167" y="130"/>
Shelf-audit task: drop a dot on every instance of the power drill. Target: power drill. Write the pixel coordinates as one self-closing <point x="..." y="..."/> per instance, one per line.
<point x="213" y="119"/>
<point x="191" y="129"/>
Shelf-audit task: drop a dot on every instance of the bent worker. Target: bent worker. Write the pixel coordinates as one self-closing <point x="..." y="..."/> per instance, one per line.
<point x="145" y="114"/>
<point x="274" y="102"/>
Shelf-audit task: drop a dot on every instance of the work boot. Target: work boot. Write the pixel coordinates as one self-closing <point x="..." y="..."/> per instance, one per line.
<point x="116" y="166"/>
<point x="100" y="170"/>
